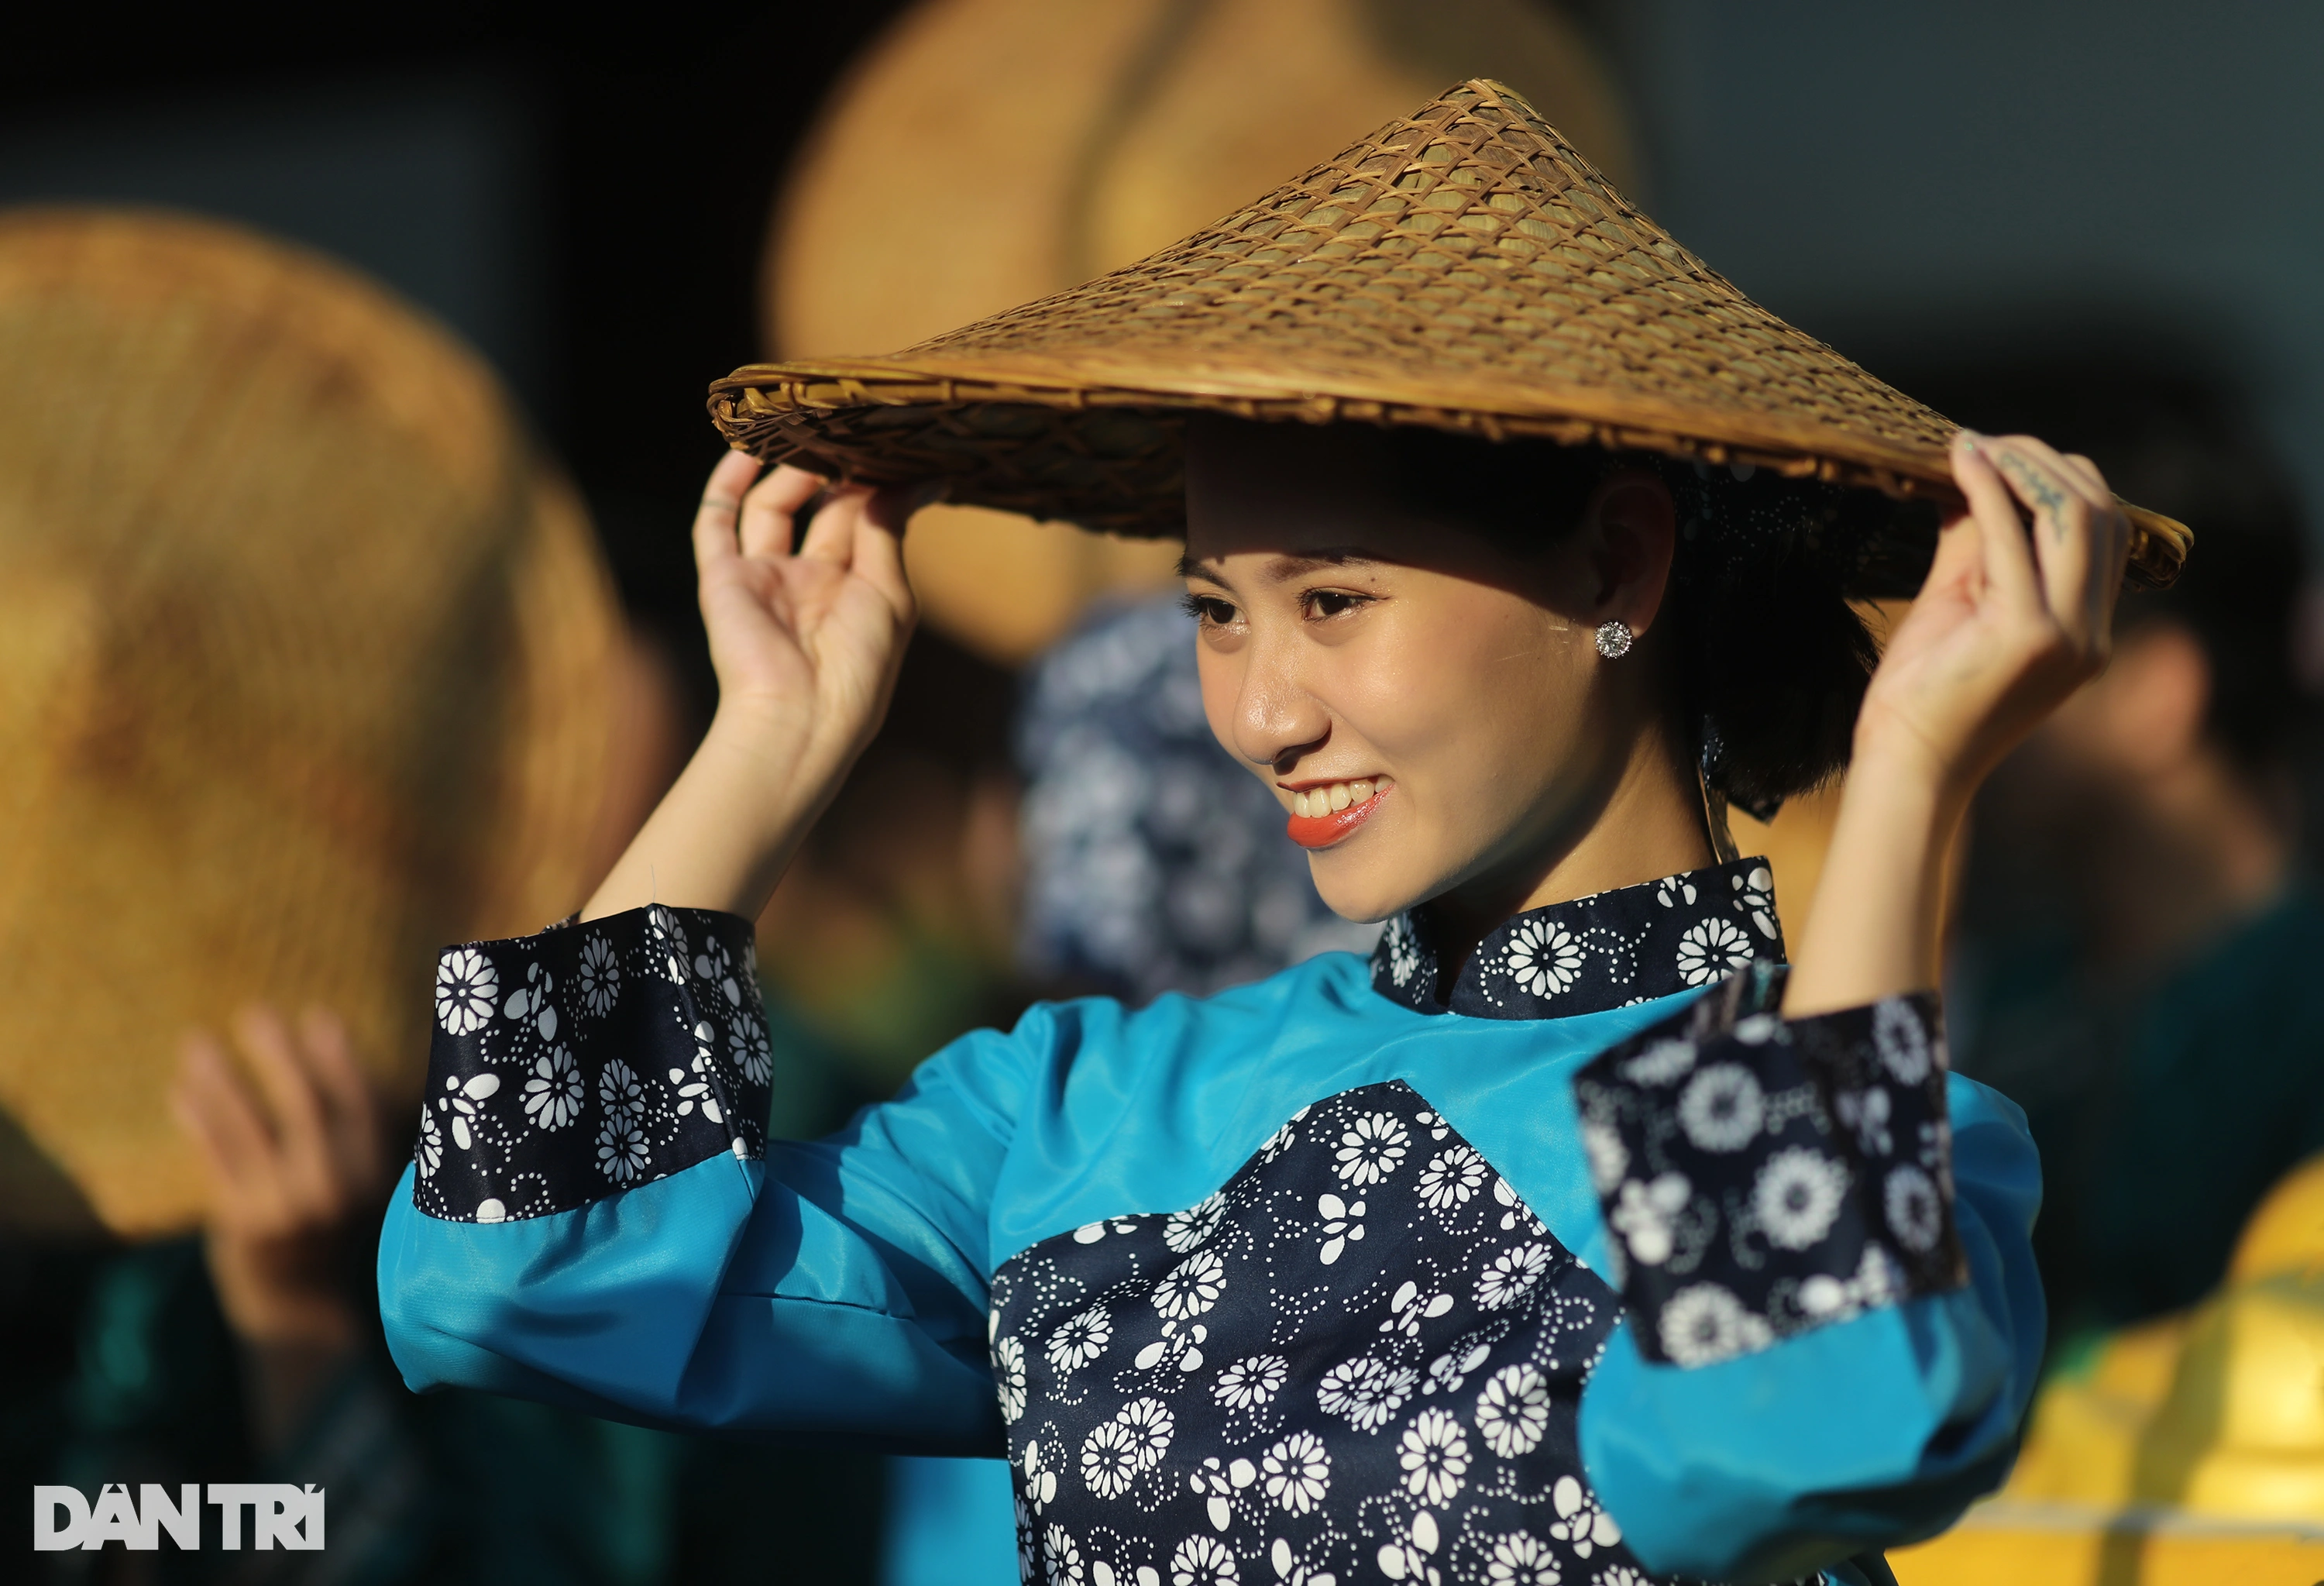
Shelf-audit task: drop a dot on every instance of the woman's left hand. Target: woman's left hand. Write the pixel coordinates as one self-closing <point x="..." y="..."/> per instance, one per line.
<point x="2010" y="621"/>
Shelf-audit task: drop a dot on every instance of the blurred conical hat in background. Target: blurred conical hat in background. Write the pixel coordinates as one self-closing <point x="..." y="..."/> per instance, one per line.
<point x="987" y="153"/>
<point x="1463" y="267"/>
<point x="304" y="657"/>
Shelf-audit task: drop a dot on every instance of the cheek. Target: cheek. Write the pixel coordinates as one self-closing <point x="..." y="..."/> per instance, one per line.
<point x="1467" y="691"/>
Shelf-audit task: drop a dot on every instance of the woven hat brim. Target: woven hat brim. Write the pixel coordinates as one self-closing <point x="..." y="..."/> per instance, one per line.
<point x="1462" y="268"/>
<point x="1096" y="440"/>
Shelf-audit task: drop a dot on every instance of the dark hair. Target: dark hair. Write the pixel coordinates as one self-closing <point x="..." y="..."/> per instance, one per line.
<point x="1772" y="659"/>
<point x="2169" y="435"/>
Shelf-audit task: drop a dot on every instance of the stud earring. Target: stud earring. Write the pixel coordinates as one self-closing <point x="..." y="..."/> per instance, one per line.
<point x="1614" y="640"/>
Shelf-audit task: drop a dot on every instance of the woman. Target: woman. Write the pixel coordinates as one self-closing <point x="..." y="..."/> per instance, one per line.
<point x="1510" y="1257"/>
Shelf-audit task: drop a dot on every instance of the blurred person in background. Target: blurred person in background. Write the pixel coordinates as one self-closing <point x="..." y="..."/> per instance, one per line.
<point x="2137" y="938"/>
<point x="308" y="664"/>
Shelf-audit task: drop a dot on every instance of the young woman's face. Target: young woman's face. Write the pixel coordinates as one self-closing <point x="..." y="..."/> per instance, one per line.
<point x="1432" y="713"/>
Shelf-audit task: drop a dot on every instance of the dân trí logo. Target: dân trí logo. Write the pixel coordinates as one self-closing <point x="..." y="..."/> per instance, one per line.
<point x="280" y="1516"/>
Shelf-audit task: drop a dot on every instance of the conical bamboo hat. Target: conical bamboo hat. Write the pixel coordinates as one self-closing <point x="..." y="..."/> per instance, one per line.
<point x="1462" y="268"/>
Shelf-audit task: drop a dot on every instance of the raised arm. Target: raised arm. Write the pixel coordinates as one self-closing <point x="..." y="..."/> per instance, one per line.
<point x="593" y="1215"/>
<point x="2011" y="621"/>
<point x="1822" y="1237"/>
<point x="806" y="644"/>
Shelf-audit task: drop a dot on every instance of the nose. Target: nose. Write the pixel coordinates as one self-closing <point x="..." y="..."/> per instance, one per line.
<point x="1272" y="718"/>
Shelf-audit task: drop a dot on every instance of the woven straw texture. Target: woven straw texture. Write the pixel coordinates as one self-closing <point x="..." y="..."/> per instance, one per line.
<point x="1462" y="268"/>
<point x="303" y="664"/>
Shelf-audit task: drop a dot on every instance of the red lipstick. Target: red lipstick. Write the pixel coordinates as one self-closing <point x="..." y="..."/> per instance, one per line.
<point x="1322" y="831"/>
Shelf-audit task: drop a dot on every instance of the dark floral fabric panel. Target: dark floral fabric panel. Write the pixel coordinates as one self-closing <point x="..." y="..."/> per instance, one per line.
<point x="1604" y="951"/>
<point x="1361" y="1358"/>
<point x="1762" y="1176"/>
<point x="590" y="1059"/>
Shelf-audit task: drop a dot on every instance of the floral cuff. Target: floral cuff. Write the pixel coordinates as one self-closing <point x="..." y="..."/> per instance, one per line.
<point x="590" y="1059"/>
<point x="1763" y="1176"/>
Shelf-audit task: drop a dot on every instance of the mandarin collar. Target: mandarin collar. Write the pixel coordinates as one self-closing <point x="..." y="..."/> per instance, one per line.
<point x="1604" y="951"/>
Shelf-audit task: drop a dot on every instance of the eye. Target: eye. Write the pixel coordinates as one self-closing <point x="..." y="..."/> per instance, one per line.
<point x="1210" y="611"/>
<point x="1325" y="603"/>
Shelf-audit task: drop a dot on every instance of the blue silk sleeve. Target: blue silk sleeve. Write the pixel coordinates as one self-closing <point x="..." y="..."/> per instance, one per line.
<point x="634" y="1261"/>
<point x="1874" y="1338"/>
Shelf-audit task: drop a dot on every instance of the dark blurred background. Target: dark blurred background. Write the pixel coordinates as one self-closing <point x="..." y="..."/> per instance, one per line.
<point x="2065" y="214"/>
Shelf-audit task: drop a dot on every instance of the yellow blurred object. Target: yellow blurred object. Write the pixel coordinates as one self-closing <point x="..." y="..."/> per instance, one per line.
<point x="990" y="151"/>
<point x="304" y="669"/>
<point x="2286" y="1234"/>
<point x="2187" y="1448"/>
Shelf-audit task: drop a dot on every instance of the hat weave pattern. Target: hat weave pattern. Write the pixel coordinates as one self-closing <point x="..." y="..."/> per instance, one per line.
<point x="1464" y="268"/>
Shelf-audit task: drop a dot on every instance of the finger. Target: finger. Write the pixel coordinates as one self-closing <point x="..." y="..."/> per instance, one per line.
<point x="830" y="532"/>
<point x="771" y="511"/>
<point x="2006" y="557"/>
<point x="216" y="1113"/>
<point x="2110" y="552"/>
<point x="291" y="1096"/>
<point x="879" y="555"/>
<point x="2066" y="522"/>
<point x="721" y="500"/>
<point x="352" y="1111"/>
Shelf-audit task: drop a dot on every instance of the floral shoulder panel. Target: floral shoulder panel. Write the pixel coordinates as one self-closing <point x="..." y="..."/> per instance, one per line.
<point x="1364" y="1355"/>
<point x="587" y="1060"/>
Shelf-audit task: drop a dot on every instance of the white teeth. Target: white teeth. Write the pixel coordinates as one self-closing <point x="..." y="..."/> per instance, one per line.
<point x="1338" y="796"/>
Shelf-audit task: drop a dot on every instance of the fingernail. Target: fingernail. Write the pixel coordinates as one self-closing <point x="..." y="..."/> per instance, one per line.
<point x="1968" y="439"/>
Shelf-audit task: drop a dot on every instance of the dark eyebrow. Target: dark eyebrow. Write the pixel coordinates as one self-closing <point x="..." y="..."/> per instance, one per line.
<point x="1288" y="566"/>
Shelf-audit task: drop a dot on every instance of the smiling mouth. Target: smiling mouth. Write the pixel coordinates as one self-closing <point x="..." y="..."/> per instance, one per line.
<point x="1329" y="812"/>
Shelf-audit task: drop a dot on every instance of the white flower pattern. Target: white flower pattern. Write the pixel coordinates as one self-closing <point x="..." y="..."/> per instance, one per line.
<point x="1513" y="1411"/>
<point x="553" y="1092"/>
<point x="1542" y="957"/>
<point x="600" y="976"/>
<point x="468" y="989"/>
<point x="1711" y="950"/>
<point x="1722" y="1108"/>
<point x="1249" y="1383"/>
<point x="1083" y="1339"/>
<point x="1451" y="1178"/>
<point x="1008" y="1376"/>
<point x="1365" y="1392"/>
<point x="1512" y="1275"/>
<point x="1435" y="1453"/>
<point x="1797" y="1196"/>
<point x="1371" y="1149"/>
<point x="1297" y="1472"/>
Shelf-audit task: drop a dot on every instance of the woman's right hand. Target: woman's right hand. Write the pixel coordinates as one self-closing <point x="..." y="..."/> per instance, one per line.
<point x="807" y="645"/>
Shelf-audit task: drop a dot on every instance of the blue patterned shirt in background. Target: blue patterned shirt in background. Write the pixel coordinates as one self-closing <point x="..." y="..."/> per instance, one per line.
<point x="1154" y="863"/>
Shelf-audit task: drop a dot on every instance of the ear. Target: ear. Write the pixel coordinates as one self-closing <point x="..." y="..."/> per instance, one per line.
<point x="1629" y="532"/>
